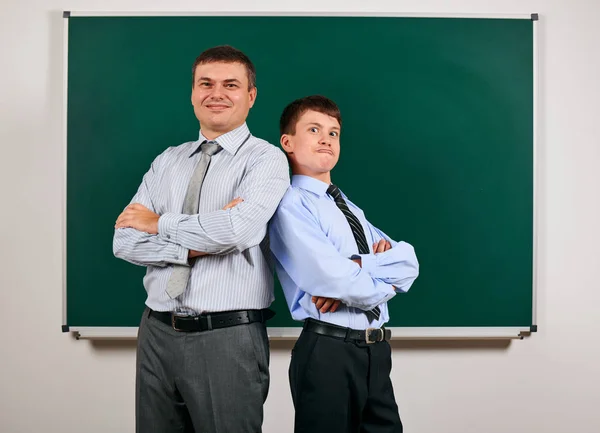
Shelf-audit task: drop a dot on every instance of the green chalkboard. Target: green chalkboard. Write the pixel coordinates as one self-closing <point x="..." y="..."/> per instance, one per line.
<point x="437" y="145"/>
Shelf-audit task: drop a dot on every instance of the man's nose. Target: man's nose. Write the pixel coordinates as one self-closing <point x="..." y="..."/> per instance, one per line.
<point x="217" y="91"/>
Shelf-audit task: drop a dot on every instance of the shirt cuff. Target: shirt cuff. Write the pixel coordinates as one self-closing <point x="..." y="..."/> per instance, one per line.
<point x="368" y="262"/>
<point x="167" y="226"/>
<point x="176" y="254"/>
<point x="389" y="295"/>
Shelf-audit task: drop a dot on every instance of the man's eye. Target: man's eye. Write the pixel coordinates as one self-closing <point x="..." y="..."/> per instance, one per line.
<point x="231" y="85"/>
<point x="205" y="84"/>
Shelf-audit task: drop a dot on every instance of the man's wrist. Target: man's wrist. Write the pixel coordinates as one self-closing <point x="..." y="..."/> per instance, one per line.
<point x="167" y="226"/>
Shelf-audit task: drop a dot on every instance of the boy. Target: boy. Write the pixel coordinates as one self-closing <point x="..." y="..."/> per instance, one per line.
<point x="337" y="272"/>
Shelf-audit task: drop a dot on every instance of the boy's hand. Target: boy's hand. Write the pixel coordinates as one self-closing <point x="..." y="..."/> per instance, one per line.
<point x="381" y="246"/>
<point x="324" y="304"/>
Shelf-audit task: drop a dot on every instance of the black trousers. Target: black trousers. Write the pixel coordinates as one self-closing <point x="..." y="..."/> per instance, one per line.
<point x="342" y="386"/>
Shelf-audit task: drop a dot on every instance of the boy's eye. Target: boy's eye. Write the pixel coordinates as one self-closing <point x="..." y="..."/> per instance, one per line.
<point x="313" y="129"/>
<point x="333" y="133"/>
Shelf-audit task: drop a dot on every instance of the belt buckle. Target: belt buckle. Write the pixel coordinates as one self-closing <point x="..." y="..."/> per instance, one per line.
<point x="368" y="335"/>
<point x="173" y="317"/>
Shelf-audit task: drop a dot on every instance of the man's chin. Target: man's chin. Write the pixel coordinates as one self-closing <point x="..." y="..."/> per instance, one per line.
<point x="215" y="124"/>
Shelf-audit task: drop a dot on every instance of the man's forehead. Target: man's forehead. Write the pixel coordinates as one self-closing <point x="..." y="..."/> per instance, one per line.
<point x="235" y="69"/>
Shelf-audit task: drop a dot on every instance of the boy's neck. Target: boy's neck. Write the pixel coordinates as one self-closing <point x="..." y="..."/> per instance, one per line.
<point x="323" y="177"/>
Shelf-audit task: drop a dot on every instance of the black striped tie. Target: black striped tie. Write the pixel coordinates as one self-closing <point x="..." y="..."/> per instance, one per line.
<point x="357" y="231"/>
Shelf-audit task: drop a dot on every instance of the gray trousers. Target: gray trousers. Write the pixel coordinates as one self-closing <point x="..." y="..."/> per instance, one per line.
<point x="203" y="382"/>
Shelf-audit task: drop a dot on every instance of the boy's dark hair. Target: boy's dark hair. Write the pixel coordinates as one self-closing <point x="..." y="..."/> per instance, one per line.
<point x="226" y="54"/>
<point x="292" y="113"/>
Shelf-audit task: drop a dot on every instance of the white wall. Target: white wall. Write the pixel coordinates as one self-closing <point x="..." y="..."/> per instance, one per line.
<point x="547" y="383"/>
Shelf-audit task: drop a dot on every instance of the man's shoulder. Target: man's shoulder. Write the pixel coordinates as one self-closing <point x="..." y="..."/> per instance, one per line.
<point x="259" y="151"/>
<point x="173" y="155"/>
<point x="260" y="146"/>
<point x="182" y="149"/>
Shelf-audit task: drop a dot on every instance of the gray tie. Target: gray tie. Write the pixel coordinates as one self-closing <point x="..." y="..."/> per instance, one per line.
<point x="181" y="274"/>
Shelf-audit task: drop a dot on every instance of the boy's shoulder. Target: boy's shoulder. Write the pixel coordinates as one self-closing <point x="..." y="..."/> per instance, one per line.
<point x="297" y="197"/>
<point x="293" y="196"/>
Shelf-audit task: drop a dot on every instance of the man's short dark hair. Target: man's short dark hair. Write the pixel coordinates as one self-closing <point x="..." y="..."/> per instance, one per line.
<point x="226" y="54"/>
<point x="292" y="113"/>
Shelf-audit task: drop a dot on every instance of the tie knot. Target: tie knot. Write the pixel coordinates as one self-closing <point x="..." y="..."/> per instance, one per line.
<point x="210" y="147"/>
<point x="334" y="191"/>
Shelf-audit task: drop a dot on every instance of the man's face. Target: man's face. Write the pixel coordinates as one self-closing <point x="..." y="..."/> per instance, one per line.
<point x="315" y="147"/>
<point x="221" y="98"/>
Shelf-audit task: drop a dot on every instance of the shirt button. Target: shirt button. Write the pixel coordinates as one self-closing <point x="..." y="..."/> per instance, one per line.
<point x="168" y="236"/>
<point x="176" y="257"/>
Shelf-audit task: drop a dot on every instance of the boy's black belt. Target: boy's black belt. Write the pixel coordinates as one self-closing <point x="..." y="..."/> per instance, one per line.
<point x="369" y="335"/>
<point x="210" y="321"/>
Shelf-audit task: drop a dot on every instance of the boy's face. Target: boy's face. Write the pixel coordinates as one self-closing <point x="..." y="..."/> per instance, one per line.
<point x="314" y="149"/>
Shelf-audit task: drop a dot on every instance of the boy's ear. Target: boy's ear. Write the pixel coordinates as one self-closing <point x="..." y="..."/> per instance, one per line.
<point x="286" y="143"/>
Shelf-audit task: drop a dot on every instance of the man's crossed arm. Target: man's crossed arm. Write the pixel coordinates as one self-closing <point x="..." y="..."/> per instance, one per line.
<point x="139" y="217"/>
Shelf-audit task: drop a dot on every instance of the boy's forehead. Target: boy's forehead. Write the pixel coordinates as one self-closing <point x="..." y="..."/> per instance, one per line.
<point x="313" y="116"/>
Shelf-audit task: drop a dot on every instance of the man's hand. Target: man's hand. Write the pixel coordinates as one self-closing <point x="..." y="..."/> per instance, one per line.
<point x="326" y="304"/>
<point x="233" y="203"/>
<point x="138" y="217"/>
<point x="381" y="246"/>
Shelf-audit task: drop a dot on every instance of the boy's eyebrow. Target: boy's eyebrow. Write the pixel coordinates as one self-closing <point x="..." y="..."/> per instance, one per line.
<point x="321" y="126"/>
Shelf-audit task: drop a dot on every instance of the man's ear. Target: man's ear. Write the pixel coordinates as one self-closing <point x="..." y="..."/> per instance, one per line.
<point x="252" y="96"/>
<point x="286" y="143"/>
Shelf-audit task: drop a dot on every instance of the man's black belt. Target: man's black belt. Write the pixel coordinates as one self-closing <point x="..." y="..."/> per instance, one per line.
<point x="210" y="321"/>
<point x="369" y="335"/>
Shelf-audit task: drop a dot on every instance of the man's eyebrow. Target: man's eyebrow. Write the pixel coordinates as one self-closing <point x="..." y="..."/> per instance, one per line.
<point x="210" y="80"/>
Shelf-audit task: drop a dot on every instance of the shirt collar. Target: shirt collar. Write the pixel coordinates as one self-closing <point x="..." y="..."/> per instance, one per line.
<point x="310" y="184"/>
<point x="231" y="141"/>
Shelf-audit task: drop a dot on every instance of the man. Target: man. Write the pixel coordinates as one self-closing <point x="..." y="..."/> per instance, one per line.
<point x="337" y="272"/>
<point x="198" y="223"/>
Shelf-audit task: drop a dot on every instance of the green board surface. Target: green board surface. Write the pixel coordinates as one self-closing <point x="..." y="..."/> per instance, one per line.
<point x="437" y="145"/>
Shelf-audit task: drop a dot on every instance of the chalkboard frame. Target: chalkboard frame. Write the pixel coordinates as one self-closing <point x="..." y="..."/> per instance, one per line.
<point x="293" y="332"/>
